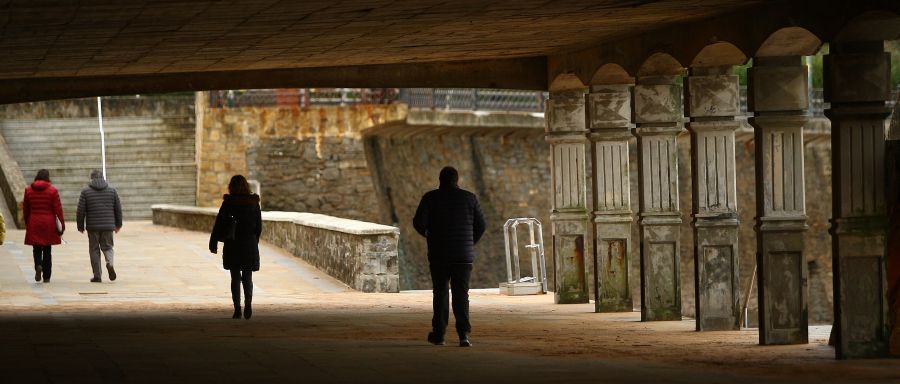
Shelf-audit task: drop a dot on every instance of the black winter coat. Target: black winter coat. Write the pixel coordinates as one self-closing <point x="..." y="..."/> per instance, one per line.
<point x="99" y="207"/>
<point x="242" y="253"/>
<point x="451" y="220"/>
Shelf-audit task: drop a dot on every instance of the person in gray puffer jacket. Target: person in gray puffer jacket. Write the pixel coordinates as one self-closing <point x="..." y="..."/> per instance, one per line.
<point x="100" y="213"/>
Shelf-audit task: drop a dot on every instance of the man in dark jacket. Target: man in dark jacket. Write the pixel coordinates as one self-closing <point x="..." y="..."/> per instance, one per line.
<point x="100" y="212"/>
<point x="451" y="220"/>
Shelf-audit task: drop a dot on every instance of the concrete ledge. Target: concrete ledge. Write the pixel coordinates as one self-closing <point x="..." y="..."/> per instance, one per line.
<point x="362" y="255"/>
<point x="454" y="118"/>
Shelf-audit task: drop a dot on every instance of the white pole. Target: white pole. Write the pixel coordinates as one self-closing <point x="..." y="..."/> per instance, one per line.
<point x="102" y="137"/>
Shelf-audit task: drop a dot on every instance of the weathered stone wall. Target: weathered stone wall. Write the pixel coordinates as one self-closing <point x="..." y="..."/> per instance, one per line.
<point x="113" y="106"/>
<point x="362" y="255"/>
<point x="149" y="146"/>
<point x="305" y="159"/>
<point x="506" y="167"/>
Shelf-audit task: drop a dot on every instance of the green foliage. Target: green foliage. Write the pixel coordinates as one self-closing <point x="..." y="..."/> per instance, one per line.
<point x="893" y="47"/>
<point x="816" y="67"/>
<point x="741" y="71"/>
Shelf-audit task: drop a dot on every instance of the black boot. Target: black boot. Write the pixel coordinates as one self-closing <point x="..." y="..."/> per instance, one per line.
<point x="248" y="311"/>
<point x="237" y="312"/>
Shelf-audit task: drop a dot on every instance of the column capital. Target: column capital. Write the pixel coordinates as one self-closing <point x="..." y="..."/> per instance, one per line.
<point x="657" y="103"/>
<point x="859" y="74"/>
<point x="566" y="111"/>
<point x="778" y="84"/>
<point x="609" y="107"/>
<point x="712" y="96"/>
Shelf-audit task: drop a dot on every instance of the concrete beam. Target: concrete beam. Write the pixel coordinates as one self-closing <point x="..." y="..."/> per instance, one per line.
<point x="520" y="73"/>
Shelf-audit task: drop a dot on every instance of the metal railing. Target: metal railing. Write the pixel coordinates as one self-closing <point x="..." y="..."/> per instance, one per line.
<point x="474" y="99"/>
<point x="466" y="99"/>
<point x="302" y="97"/>
<point x="436" y="98"/>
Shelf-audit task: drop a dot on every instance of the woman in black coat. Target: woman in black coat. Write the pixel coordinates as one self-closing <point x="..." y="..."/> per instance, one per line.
<point x="240" y="255"/>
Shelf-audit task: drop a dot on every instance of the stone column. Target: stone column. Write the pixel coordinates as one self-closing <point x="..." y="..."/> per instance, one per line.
<point x="857" y="86"/>
<point x="658" y="120"/>
<point x="610" y="130"/>
<point x="712" y="100"/>
<point x="569" y="216"/>
<point x="778" y="97"/>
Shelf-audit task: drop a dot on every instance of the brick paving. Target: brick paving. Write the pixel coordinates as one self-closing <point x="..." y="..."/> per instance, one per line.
<point x="167" y="319"/>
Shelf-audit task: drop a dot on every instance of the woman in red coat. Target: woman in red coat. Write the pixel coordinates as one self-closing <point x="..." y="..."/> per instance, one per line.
<point x="41" y="209"/>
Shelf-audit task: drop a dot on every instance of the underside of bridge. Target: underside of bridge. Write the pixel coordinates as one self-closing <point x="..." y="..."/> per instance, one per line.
<point x="615" y="70"/>
<point x="64" y="49"/>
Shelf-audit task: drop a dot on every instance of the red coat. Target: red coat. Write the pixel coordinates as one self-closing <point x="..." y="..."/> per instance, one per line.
<point x="41" y="208"/>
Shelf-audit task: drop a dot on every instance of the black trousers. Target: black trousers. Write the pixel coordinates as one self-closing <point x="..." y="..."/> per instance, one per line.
<point x="43" y="258"/>
<point x="238" y="278"/>
<point x="455" y="277"/>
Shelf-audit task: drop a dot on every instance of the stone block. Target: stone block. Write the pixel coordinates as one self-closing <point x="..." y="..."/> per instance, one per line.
<point x="610" y="107"/>
<point x="712" y="96"/>
<point x="657" y="103"/>
<point x="392" y="265"/>
<point x="566" y="112"/>
<point x="863" y="77"/>
<point x="778" y="89"/>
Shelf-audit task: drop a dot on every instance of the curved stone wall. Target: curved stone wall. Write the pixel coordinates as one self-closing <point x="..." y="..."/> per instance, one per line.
<point x="362" y="255"/>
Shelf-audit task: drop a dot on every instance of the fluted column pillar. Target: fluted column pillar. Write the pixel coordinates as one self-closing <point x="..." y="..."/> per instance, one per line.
<point x="569" y="217"/>
<point x="712" y="100"/>
<point x="609" y="112"/>
<point x="778" y="97"/>
<point x="857" y="78"/>
<point x="658" y="118"/>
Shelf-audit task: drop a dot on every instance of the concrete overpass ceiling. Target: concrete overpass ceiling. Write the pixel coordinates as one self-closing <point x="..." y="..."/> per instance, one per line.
<point x="94" y="37"/>
<point x="61" y="49"/>
<point x="66" y="47"/>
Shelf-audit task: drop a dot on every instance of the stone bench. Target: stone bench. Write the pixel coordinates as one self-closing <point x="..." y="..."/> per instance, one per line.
<point x="362" y="255"/>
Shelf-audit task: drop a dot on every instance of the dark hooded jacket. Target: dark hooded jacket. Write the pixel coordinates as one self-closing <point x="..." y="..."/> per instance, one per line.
<point x="242" y="253"/>
<point x="451" y="220"/>
<point x="99" y="208"/>
<point x="41" y="207"/>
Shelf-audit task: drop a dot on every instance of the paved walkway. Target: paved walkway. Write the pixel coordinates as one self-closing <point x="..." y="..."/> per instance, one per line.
<point x="167" y="319"/>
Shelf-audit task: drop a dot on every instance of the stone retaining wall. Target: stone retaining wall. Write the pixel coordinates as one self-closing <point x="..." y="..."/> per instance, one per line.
<point x="305" y="159"/>
<point x="362" y="255"/>
<point x="503" y="162"/>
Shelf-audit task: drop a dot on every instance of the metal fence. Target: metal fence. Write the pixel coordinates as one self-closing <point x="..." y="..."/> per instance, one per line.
<point x="436" y="98"/>
<point x="302" y="97"/>
<point x="468" y="99"/>
<point x="474" y="99"/>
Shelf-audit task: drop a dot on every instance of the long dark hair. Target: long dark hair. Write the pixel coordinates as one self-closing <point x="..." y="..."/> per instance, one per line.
<point x="42" y="174"/>
<point x="238" y="186"/>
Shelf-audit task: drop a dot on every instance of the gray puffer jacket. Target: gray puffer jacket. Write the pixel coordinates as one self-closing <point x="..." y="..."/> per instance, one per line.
<point x="99" y="208"/>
